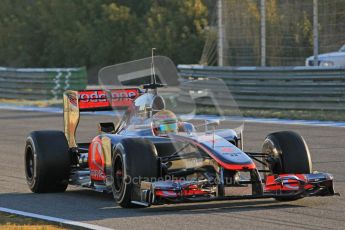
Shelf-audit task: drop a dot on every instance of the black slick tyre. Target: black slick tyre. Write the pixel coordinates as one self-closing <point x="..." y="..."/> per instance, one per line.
<point x="47" y="161"/>
<point x="134" y="160"/>
<point x="287" y="153"/>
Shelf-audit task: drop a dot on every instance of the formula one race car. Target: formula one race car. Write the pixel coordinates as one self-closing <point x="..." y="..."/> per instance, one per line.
<point x="157" y="152"/>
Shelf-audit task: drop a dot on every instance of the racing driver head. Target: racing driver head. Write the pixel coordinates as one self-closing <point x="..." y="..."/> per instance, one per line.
<point x="164" y="123"/>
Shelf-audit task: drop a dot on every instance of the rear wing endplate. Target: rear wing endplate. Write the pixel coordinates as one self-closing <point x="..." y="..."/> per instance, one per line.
<point x="75" y="102"/>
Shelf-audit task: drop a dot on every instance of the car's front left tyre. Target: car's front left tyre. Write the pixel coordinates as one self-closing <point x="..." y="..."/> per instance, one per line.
<point x="134" y="160"/>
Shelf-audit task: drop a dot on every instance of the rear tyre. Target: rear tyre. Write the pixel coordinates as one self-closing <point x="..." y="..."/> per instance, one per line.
<point x="287" y="153"/>
<point x="134" y="160"/>
<point x="47" y="161"/>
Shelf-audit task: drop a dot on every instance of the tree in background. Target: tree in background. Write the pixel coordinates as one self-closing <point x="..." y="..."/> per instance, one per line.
<point x="96" y="33"/>
<point x="61" y="33"/>
<point x="175" y="28"/>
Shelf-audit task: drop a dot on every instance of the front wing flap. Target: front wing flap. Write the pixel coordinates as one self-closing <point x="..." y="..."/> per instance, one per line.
<point x="316" y="184"/>
<point x="276" y="186"/>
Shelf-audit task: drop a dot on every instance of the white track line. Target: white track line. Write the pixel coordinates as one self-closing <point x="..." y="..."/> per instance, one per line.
<point x="31" y="108"/>
<point x="54" y="219"/>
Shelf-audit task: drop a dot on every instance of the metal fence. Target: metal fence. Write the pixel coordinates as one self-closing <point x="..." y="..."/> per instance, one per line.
<point x="285" y="35"/>
<point x="281" y="88"/>
<point x="40" y="84"/>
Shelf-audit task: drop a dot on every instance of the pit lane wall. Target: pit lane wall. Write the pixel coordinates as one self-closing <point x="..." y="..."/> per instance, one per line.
<point x="40" y="83"/>
<point x="275" y="88"/>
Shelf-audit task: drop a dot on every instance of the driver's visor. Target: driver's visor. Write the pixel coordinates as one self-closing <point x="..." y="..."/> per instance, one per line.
<point x="168" y="127"/>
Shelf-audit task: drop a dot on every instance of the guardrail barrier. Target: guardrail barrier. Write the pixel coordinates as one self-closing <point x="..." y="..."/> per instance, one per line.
<point x="277" y="88"/>
<point x="40" y="84"/>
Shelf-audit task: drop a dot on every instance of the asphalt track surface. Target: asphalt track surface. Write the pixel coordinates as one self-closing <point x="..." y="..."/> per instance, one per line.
<point x="327" y="149"/>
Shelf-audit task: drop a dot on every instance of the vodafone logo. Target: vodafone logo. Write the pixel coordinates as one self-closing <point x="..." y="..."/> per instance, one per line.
<point x="101" y="96"/>
<point x="94" y="96"/>
<point x="98" y="99"/>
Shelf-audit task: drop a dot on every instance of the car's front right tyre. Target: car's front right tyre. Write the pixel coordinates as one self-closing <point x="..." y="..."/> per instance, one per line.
<point x="288" y="153"/>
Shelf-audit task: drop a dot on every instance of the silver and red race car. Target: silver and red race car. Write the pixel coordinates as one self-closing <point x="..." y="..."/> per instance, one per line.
<point x="158" y="151"/>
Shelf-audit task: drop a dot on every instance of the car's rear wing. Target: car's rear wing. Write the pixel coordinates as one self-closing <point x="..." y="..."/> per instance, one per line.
<point x="100" y="100"/>
<point x="75" y="102"/>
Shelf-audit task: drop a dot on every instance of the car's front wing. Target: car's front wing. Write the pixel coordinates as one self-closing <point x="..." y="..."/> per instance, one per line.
<point x="288" y="186"/>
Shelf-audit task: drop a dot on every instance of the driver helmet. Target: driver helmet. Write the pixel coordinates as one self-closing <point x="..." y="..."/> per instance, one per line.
<point x="164" y="123"/>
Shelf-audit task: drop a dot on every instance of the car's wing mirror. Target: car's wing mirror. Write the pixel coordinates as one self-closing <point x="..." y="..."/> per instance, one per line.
<point x="211" y="124"/>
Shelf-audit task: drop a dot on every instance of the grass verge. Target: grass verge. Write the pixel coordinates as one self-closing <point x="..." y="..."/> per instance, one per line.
<point x="321" y="115"/>
<point x="16" y="222"/>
